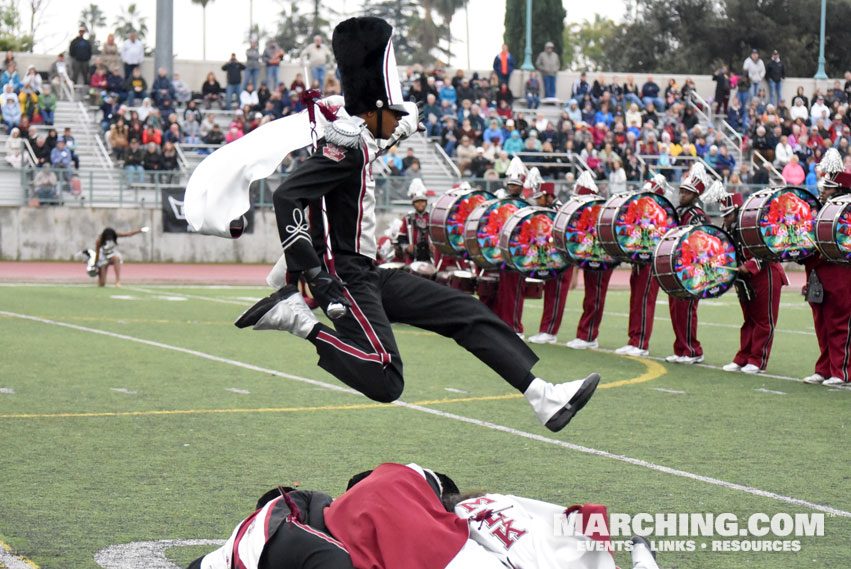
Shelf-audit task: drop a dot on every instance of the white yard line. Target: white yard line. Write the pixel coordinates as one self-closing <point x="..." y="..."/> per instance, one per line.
<point x="461" y="418"/>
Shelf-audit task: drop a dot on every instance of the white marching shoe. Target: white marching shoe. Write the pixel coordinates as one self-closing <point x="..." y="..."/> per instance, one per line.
<point x="834" y="381"/>
<point x="674" y="359"/>
<point x="543" y="338"/>
<point x="643" y="556"/>
<point x="751" y="369"/>
<point x="816" y="378"/>
<point x="732" y="366"/>
<point x="556" y="404"/>
<point x="283" y="310"/>
<point x="578" y="344"/>
<point x="630" y="350"/>
<point x="690" y="359"/>
<point x="521" y="336"/>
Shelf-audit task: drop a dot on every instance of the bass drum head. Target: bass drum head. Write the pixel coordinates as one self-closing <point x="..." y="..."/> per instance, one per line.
<point x="700" y="262"/>
<point x="576" y="236"/>
<point x="778" y="224"/>
<point x="481" y="235"/>
<point x="833" y="229"/>
<point x="526" y="242"/>
<point x="448" y="216"/>
<point x="640" y="223"/>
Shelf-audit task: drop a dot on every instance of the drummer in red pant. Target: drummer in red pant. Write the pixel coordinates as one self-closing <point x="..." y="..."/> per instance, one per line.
<point x="687" y="349"/>
<point x="758" y="288"/>
<point x="555" y="290"/>
<point x="831" y="316"/>
<point x="596" y="286"/>
<point x="509" y="293"/>
<point x="643" y="290"/>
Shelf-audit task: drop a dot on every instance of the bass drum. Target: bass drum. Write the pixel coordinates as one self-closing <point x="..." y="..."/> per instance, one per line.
<point x="778" y="224"/>
<point x="481" y="231"/>
<point x="465" y="281"/>
<point x="533" y="288"/>
<point x="631" y="225"/>
<point x="575" y="233"/>
<point x="833" y="229"/>
<point x="526" y="242"/>
<point x="695" y="261"/>
<point x="486" y="285"/>
<point x="447" y="218"/>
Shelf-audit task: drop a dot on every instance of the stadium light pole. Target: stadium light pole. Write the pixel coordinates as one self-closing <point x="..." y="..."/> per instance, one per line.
<point x="164" y="56"/>
<point x="820" y="74"/>
<point x="527" y="59"/>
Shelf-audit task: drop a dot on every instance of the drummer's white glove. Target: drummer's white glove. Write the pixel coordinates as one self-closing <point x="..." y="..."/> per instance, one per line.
<point x="145" y="229"/>
<point x="409" y="124"/>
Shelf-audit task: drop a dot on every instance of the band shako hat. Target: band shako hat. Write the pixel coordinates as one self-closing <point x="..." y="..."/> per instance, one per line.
<point x="546" y="189"/>
<point x="417" y="190"/>
<point x="516" y="172"/>
<point x="368" y="75"/>
<point x="658" y="184"/>
<point x="585" y="185"/>
<point x="697" y="180"/>
<point x="731" y="202"/>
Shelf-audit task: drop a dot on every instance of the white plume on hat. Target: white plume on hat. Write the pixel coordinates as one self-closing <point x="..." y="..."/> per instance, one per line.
<point x="586" y="180"/>
<point x="696" y="178"/>
<point x="516" y="171"/>
<point x="417" y="190"/>
<point x="831" y="163"/>
<point x="715" y="193"/>
<point x="533" y="180"/>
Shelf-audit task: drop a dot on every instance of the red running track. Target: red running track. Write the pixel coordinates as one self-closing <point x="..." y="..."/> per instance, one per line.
<point x="185" y="273"/>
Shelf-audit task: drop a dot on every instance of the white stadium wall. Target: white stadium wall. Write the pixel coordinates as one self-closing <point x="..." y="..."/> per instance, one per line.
<point x="57" y="233"/>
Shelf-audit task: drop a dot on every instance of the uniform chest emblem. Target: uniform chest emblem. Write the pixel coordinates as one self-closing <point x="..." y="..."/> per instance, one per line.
<point x="334" y="152"/>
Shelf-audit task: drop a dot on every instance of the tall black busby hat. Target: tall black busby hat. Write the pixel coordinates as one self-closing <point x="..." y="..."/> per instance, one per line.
<point x="364" y="52"/>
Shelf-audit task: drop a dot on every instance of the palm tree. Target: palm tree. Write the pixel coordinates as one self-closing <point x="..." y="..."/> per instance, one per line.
<point x="92" y="18"/>
<point x="131" y="20"/>
<point x="203" y="4"/>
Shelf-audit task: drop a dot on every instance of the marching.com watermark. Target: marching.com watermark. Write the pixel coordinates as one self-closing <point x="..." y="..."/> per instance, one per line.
<point x="678" y="531"/>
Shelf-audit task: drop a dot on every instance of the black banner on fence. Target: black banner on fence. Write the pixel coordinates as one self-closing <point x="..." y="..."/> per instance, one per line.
<point x="174" y="215"/>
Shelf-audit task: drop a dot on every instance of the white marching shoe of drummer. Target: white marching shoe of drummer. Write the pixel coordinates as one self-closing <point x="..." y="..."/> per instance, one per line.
<point x="556" y="404"/>
<point x="579" y="344"/>
<point x="543" y="338"/>
<point x="630" y="350"/>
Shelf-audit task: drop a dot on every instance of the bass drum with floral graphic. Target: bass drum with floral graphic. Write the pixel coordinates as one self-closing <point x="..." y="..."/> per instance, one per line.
<point x="695" y="261"/>
<point x="526" y="242"/>
<point x="575" y="233"/>
<point x="448" y="216"/>
<point x="778" y="224"/>
<point x="482" y="229"/>
<point x="833" y="229"/>
<point x="632" y="224"/>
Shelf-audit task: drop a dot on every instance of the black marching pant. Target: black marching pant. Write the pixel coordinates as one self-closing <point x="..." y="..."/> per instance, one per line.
<point x="362" y="351"/>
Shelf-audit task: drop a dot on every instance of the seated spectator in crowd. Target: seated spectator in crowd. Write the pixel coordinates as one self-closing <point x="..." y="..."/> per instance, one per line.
<point x="45" y="183"/>
<point x="169" y="163"/>
<point x="212" y="91"/>
<point x="394" y="162"/>
<point x="533" y="138"/>
<point x="41" y="150"/>
<point x="29" y="102"/>
<point x="118" y="138"/>
<point x="493" y="131"/>
<point x="71" y="145"/>
<point x="11" y="113"/>
<point x="513" y="144"/>
<point x="214" y="136"/>
<point x="152" y="134"/>
<point x="480" y="164"/>
<point x="32" y="79"/>
<point x="413" y="170"/>
<point x="51" y="138"/>
<point x="145" y="109"/>
<point x="504" y="94"/>
<point x="172" y="134"/>
<point x="533" y="91"/>
<point x="725" y="163"/>
<point x="136" y="87"/>
<point x="191" y="130"/>
<point x="152" y="161"/>
<point x="115" y="84"/>
<point x="248" y="98"/>
<point x="819" y="110"/>
<point x="501" y="164"/>
<point x="8" y="93"/>
<point x="15" y="149"/>
<point x="650" y="94"/>
<point x="10" y="76"/>
<point x="60" y="158"/>
<point x="234" y="133"/>
<point x="465" y="153"/>
<point x="162" y="90"/>
<point x="182" y="93"/>
<point x="735" y="116"/>
<point x="782" y="153"/>
<point x="98" y="84"/>
<point x="793" y="174"/>
<point x="134" y="159"/>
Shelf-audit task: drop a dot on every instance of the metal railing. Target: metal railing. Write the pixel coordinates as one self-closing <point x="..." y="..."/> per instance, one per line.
<point x="449" y="166"/>
<point x="732" y="139"/>
<point x="773" y="173"/>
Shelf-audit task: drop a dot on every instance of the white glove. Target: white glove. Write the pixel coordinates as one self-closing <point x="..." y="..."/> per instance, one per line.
<point x="145" y="229"/>
<point x="408" y="124"/>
